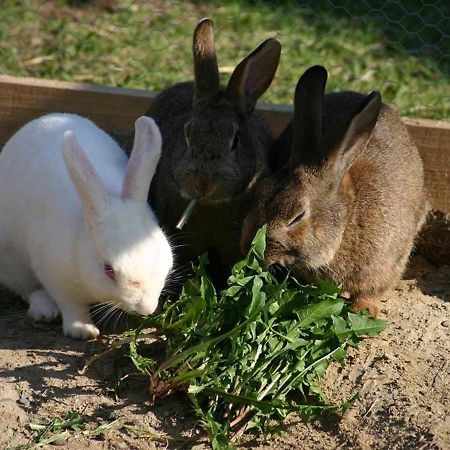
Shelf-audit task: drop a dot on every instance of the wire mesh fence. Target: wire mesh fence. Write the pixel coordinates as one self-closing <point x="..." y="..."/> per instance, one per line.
<point x="401" y="48"/>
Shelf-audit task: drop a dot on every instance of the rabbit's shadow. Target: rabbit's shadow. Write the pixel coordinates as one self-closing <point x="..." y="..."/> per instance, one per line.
<point x="43" y="366"/>
<point x="432" y="280"/>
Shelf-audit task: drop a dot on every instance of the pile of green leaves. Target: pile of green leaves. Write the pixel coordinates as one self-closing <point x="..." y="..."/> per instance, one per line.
<point x="253" y="352"/>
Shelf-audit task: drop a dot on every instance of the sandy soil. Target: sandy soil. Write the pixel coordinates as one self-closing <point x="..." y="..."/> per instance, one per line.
<point x="403" y="376"/>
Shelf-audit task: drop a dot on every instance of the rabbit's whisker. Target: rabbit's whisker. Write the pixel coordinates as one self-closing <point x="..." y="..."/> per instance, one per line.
<point x="108" y="313"/>
<point x="118" y="319"/>
<point x="100" y="308"/>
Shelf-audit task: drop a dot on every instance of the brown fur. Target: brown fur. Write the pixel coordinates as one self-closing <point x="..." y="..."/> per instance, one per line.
<point x="214" y="145"/>
<point x="360" y="224"/>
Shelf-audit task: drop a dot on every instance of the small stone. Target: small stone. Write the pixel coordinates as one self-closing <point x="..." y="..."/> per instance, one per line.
<point x="59" y="442"/>
<point x="24" y="401"/>
<point x="446" y="323"/>
<point x="113" y="415"/>
<point x="101" y="437"/>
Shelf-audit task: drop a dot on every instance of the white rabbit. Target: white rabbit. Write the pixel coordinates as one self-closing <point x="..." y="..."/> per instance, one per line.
<point x="75" y="226"/>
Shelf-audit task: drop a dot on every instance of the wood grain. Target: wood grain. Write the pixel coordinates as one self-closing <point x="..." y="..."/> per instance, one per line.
<point x="433" y="140"/>
<point x="116" y="109"/>
<point x="24" y="99"/>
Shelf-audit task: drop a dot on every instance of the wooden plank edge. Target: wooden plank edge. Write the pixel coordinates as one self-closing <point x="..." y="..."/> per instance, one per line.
<point x="281" y="113"/>
<point x="82" y="87"/>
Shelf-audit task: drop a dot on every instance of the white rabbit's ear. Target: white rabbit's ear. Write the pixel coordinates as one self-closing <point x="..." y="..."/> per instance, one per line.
<point x="90" y="189"/>
<point x="143" y="160"/>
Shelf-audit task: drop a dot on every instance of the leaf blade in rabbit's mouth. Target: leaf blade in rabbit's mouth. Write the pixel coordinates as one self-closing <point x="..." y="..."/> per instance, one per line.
<point x="187" y="213"/>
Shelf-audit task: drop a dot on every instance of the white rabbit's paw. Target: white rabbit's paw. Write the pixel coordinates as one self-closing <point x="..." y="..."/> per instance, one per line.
<point x="42" y="307"/>
<point x="80" y="330"/>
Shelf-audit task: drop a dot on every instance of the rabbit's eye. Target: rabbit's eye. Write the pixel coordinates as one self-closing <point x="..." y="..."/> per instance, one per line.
<point x="109" y="271"/>
<point x="235" y="144"/>
<point x="296" y="220"/>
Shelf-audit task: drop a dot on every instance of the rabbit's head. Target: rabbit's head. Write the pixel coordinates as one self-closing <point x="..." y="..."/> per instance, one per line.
<point x="223" y="143"/>
<point x="305" y="202"/>
<point x="125" y="256"/>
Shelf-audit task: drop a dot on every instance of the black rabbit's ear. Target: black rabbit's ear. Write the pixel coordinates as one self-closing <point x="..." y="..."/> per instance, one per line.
<point x="206" y="71"/>
<point x="307" y="123"/>
<point x="253" y="75"/>
<point x="357" y="134"/>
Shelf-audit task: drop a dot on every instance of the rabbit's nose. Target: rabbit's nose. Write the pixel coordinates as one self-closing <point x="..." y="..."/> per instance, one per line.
<point x="195" y="188"/>
<point x="203" y="185"/>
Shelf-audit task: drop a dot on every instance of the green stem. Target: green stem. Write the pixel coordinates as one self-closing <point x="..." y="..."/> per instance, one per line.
<point x="187" y="213"/>
<point x="306" y="369"/>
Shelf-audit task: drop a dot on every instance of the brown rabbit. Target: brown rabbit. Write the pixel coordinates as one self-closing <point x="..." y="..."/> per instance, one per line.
<point x="348" y="196"/>
<point x="214" y="147"/>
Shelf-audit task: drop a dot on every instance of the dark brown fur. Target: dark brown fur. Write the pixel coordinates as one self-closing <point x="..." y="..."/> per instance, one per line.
<point x="364" y="205"/>
<point x="214" y="146"/>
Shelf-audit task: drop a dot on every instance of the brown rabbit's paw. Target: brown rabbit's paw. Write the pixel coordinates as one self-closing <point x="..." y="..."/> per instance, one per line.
<point x="373" y="305"/>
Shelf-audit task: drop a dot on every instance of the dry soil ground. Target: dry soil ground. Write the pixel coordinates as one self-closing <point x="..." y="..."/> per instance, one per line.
<point x="403" y="376"/>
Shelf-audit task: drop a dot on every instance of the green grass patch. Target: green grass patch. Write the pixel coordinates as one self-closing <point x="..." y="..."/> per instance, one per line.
<point x="147" y="44"/>
<point x="57" y="429"/>
<point x="251" y="354"/>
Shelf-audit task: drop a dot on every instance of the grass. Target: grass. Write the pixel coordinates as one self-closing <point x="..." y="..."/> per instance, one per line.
<point x="56" y="430"/>
<point x="147" y="44"/>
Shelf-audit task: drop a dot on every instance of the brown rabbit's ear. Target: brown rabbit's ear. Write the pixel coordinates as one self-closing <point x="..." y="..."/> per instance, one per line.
<point x="253" y="75"/>
<point x="357" y="134"/>
<point x="206" y="71"/>
<point x="307" y="122"/>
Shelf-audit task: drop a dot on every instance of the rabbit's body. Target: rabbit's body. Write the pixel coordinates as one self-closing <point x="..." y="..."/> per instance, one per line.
<point x="379" y="231"/>
<point x="346" y="204"/>
<point x="53" y="246"/>
<point x="214" y="148"/>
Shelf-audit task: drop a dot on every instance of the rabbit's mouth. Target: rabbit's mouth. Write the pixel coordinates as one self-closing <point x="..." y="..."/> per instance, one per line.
<point x="214" y="198"/>
<point x="210" y="195"/>
<point x="217" y="188"/>
<point x="290" y="258"/>
<point x="283" y="261"/>
<point x="274" y="255"/>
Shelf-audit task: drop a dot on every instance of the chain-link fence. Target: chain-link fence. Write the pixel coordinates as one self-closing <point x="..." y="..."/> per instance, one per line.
<point x="400" y="47"/>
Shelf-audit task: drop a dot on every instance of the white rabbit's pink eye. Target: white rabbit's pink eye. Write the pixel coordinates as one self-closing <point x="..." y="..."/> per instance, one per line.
<point x="109" y="271"/>
<point x="296" y="220"/>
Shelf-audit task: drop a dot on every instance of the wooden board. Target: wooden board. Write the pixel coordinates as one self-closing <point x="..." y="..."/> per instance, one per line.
<point x="433" y="140"/>
<point x="115" y="109"/>
<point x="23" y="99"/>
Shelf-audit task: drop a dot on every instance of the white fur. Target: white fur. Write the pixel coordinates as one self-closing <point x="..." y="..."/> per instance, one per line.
<point x="66" y="210"/>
